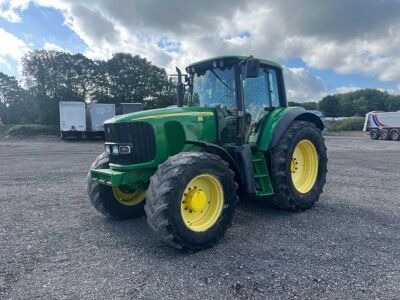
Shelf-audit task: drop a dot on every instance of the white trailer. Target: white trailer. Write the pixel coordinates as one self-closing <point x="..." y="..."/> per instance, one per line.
<point x="383" y="125"/>
<point x="72" y="119"/>
<point x="96" y="114"/>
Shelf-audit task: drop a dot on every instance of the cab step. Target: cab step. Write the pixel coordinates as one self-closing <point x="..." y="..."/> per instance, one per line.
<point x="261" y="175"/>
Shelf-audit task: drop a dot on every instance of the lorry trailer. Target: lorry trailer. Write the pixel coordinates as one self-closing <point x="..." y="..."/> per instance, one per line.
<point x="72" y="119"/>
<point x="383" y="125"/>
<point x="96" y="114"/>
<point x="127" y="108"/>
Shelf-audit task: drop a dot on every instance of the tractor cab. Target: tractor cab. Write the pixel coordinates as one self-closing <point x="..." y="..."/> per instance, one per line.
<point x="242" y="90"/>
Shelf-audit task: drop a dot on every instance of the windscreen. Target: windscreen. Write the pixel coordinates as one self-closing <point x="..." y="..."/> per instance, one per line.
<point x="214" y="87"/>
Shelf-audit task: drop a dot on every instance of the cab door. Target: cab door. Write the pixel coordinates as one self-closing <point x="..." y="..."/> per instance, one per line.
<point x="261" y="95"/>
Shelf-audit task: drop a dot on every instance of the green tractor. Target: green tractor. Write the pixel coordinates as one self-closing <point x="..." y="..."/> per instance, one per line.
<point x="186" y="167"/>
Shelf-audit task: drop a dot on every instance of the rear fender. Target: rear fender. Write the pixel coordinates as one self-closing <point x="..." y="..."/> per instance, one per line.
<point x="279" y="120"/>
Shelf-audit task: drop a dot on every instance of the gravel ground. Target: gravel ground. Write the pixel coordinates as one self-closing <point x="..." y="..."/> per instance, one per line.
<point x="54" y="245"/>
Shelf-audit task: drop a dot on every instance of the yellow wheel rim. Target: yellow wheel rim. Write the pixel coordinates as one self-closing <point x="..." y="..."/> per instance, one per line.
<point x="126" y="197"/>
<point x="304" y="166"/>
<point x="202" y="202"/>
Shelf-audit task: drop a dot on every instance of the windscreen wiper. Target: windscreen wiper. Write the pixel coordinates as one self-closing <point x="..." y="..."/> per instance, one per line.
<point x="219" y="78"/>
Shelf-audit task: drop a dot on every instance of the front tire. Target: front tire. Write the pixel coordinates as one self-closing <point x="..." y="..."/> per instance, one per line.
<point x="299" y="167"/>
<point x="114" y="202"/>
<point x="191" y="200"/>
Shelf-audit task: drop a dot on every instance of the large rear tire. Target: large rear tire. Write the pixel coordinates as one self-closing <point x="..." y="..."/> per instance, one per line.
<point x="299" y="167"/>
<point x="114" y="202"/>
<point x="191" y="200"/>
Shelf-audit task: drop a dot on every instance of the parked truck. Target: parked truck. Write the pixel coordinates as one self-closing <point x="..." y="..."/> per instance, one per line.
<point x="383" y="125"/>
<point x="72" y="119"/>
<point x="96" y="114"/>
<point x="127" y="108"/>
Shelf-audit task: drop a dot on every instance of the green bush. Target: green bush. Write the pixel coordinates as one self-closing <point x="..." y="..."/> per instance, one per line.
<point x="5" y="128"/>
<point x="350" y="124"/>
<point x="31" y="130"/>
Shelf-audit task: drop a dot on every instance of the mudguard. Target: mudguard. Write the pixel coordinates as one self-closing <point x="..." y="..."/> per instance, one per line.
<point x="218" y="150"/>
<point x="278" y="121"/>
<point x="224" y="154"/>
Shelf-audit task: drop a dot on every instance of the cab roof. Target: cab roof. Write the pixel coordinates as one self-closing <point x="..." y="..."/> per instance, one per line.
<point x="228" y="60"/>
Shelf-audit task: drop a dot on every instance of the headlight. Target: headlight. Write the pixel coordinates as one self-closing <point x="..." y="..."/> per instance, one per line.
<point x="107" y="149"/>
<point x="115" y="150"/>
<point x="124" y="149"/>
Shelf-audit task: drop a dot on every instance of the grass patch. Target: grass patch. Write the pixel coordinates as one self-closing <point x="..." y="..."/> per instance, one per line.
<point x="350" y="124"/>
<point x="32" y="130"/>
<point x="5" y="128"/>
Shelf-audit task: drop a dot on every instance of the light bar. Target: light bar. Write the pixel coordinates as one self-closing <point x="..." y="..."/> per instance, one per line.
<point x="124" y="149"/>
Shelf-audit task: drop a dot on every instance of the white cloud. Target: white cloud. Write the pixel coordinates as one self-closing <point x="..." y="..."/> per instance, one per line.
<point x="10" y="10"/>
<point x="346" y="89"/>
<point x="301" y="86"/>
<point x="11" y="48"/>
<point x="358" y="36"/>
<point x="55" y="47"/>
<point x="5" y="63"/>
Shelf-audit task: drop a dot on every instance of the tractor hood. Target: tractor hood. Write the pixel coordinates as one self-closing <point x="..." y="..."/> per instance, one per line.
<point x="154" y="135"/>
<point x="174" y="113"/>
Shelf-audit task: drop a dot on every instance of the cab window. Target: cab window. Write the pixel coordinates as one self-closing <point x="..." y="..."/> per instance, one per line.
<point x="262" y="91"/>
<point x="273" y="86"/>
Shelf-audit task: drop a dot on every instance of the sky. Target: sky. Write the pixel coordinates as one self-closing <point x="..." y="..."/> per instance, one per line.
<point x="325" y="46"/>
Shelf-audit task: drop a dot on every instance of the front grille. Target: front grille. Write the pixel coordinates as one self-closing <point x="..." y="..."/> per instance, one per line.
<point x="141" y="137"/>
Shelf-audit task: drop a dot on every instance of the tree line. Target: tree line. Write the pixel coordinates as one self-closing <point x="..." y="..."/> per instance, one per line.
<point x="356" y="103"/>
<point x="51" y="76"/>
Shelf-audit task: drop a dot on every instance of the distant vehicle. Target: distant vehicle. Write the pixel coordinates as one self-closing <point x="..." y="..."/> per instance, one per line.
<point x="127" y="108"/>
<point x="72" y="119"/>
<point x="318" y="113"/>
<point x="96" y="114"/>
<point x="383" y="125"/>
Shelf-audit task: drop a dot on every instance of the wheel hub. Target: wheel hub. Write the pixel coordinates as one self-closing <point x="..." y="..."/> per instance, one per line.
<point x="196" y="200"/>
<point x="128" y="197"/>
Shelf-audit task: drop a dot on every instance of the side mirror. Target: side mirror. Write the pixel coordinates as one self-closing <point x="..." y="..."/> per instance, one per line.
<point x="252" y="68"/>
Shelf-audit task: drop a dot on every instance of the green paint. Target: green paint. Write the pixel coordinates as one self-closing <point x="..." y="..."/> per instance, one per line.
<point x="162" y="113"/>
<point x="273" y="118"/>
<point x="133" y="179"/>
<point x="261" y="174"/>
<point x="171" y="127"/>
